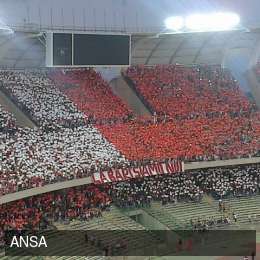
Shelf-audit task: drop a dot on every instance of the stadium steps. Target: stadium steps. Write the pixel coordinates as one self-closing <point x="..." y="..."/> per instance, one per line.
<point x="21" y="118"/>
<point x="164" y="218"/>
<point x="186" y="211"/>
<point x="178" y="216"/>
<point x="119" y="223"/>
<point x="120" y="88"/>
<point x="243" y="207"/>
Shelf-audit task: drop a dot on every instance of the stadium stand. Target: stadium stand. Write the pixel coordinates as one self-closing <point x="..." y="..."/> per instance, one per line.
<point x="138" y="141"/>
<point x="113" y="220"/>
<point x="218" y="182"/>
<point x="36" y="95"/>
<point x="34" y="213"/>
<point x="32" y="158"/>
<point x="193" y="140"/>
<point x="189" y="92"/>
<point x="189" y="215"/>
<point x="199" y="110"/>
<point x="7" y="121"/>
<point x="197" y="193"/>
<point x="217" y="198"/>
<point x="35" y="157"/>
<point x="92" y="95"/>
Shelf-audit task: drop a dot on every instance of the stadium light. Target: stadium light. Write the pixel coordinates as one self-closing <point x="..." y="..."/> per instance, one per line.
<point x="5" y="29"/>
<point x="175" y="23"/>
<point x="220" y="21"/>
<point x="212" y="22"/>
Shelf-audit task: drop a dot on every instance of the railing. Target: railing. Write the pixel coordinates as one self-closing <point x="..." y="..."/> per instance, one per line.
<point x="87" y="180"/>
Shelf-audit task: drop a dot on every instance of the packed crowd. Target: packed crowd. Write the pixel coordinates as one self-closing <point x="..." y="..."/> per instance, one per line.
<point x="200" y="111"/>
<point x="92" y="95"/>
<point x="188" y="92"/>
<point x="218" y="182"/>
<point x="189" y="140"/>
<point x="86" y="202"/>
<point x="7" y="122"/>
<point x="83" y="203"/>
<point x="33" y="157"/>
<point x="37" y="95"/>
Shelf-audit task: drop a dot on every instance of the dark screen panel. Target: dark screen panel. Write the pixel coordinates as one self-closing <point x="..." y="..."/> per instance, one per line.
<point x="62" y="49"/>
<point x="90" y="49"/>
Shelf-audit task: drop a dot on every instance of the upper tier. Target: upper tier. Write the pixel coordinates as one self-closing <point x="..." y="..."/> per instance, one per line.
<point x="91" y="94"/>
<point x="204" y="117"/>
<point x="187" y="92"/>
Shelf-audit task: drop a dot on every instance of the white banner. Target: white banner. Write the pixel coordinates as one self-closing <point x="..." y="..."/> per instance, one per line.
<point x="124" y="174"/>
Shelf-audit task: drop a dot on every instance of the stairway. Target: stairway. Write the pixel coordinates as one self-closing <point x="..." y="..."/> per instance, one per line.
<point x="127" y="94"/>
<point x="113" y="226"/>
<point x="21" y="118"/>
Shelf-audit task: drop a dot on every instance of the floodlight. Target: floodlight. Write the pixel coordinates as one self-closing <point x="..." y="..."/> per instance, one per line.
<point x="174" y="23"/>
<point x="212" y="21"/>
<point x="5" y="29"/>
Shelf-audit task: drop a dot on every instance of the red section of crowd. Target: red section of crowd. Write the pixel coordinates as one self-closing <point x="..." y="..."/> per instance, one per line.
<point x="91" y="94"/>
<point x="193" y="139"/>
<point x="185" y="92"/>
<point x="205" y="116"/>
<point x="83" y="202"/>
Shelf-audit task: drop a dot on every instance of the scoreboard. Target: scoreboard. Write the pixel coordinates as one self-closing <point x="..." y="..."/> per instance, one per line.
<point x="70" y="49"/>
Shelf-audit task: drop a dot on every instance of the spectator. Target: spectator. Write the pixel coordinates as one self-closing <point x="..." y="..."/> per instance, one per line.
<point x="37" y="95"/>
<point x="92" y="95"/>
<point x="218" y="182"/>
<point x="32" y="158"/>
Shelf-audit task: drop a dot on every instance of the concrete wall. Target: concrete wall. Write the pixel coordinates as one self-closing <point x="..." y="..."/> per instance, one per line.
<point x="152" y="223"/>
<point x="212" y="164"/>
<point x="127" y="94"/>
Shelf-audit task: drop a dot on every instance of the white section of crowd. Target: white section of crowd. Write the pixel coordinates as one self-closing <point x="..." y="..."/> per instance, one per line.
<point x="35" y="157"/>
<point x="38" y="95"/>
<point x="32" y="158"/>
<point x="219" y="182"/>
<point x="7" y="121"/>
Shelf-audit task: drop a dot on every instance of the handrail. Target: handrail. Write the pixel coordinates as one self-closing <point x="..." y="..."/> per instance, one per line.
<point x="87" y="180"/>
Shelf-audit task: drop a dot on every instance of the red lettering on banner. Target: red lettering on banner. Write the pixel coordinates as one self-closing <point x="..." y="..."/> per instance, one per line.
<point x="119" y="177"/>
<point x="153" y="169"/>
<point x="145" y="171"/>
<point x="179" y="167"/>
<point x="141" y="171"/>
<point x="125" y="174"/>
<point x="130" y="173"/>
<point x="114" y="175"/>
<point x="111" y="176"/>
<point x="95" y="181"/>
<point x="136" y="171"/>
<point x="103" y="178"/>
<point x="171" y="167"/>
<point x="160" y="168"/>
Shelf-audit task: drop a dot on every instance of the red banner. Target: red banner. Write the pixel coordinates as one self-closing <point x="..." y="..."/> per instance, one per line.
<point x="124" y="174"/>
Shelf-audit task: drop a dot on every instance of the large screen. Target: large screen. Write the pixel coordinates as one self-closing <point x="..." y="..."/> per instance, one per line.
<point x="62" y="49"/>
<point x="92" y="49"/>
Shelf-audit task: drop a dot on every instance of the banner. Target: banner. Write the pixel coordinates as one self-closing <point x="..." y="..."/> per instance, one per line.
<point x="124" y="174"/>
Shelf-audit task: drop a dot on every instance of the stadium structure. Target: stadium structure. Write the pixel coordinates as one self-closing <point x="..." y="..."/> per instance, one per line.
<point x="129" y="129"/>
